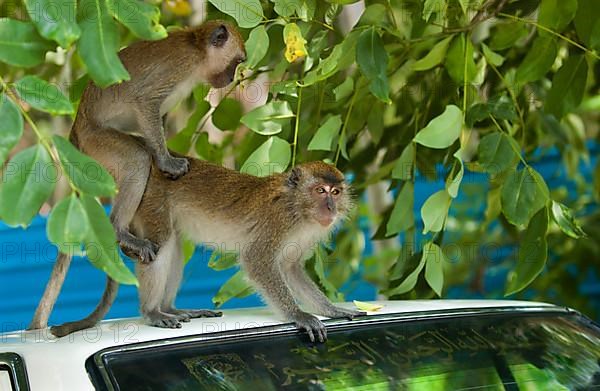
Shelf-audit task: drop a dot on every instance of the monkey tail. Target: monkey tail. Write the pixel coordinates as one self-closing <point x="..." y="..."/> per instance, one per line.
<point x="108" y="297"/>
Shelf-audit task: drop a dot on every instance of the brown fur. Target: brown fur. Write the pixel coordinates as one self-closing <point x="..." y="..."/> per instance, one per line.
<point x="274" y="221"/>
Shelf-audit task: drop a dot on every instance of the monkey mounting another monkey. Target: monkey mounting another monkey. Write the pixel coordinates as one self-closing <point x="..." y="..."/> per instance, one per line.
<point x="121" y="126"/>
<point x="273" y="222"/>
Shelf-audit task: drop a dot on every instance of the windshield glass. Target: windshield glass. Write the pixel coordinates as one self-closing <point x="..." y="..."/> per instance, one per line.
<point x="490" y="352"/>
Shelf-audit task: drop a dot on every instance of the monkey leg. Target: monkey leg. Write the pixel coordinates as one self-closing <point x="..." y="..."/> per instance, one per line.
<point x="311" y="296"/>
<point x="153" y="279"/>
<point x="174" y="277"/>
<point x="152" y="135"/>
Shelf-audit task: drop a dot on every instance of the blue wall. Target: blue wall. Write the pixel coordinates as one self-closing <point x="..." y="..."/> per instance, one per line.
<point x="26" y="260"/>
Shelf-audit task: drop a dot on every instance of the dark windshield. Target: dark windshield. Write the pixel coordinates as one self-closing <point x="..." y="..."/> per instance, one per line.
<point x="491" y="352"/>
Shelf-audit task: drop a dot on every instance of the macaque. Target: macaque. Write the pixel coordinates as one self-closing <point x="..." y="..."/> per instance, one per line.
<point x="121" y="126"/>
<point x="275" y="222"/>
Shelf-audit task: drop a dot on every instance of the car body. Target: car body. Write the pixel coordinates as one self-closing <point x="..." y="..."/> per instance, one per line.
<point x="404" y="345"/>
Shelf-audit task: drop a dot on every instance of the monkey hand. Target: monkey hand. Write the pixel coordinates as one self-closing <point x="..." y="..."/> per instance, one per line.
<point x="312" y="325"/>
<point x="143" y="250"/>
<point x="338" y="312"/>
<point x="174" y="167"/>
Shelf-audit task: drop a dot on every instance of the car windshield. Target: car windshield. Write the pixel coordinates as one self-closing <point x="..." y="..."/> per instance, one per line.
<point x="510" y="351"/>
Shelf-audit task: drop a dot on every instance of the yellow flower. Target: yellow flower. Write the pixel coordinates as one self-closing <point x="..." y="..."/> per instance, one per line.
<point x="179" y="7"/>
<point x="294" y="42"/>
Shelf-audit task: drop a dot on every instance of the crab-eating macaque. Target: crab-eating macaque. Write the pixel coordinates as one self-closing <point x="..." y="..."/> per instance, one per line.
<point x="121" y="126"/>
<point x="273" y="222"/>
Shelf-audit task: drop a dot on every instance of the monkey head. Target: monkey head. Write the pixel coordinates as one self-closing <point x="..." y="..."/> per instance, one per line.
<point x="320" y="190"/>
<point x="224" y="50"/>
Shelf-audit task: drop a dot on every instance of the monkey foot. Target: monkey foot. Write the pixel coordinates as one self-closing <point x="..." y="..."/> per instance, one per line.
<point x="186" y="315"/>
<point x="174" y="167"/>
<point x="142" y="249"/>
<point x="313" y="326"/>
<point x="337" y="312"/>
<point x="163" y="320"/>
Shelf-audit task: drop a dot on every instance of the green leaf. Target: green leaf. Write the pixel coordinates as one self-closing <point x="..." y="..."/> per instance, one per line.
<point x="455" y="60"/>
<point x="411" y="280"/>
<point x="501" y="107"/>
<point x="361" y="305"/>
<point x="442" y="131"/>
<point x="403" y="168"/>
<point x="222" y="260"/>
<point x="27" y="181"/>
<point x="84" y="172"/>
<point x="326" y="134"/>
<point x="141" y="18"/>
<point x="497" y="153"/>
<point x="43" y="95"/>
<point x="344" y="90"/>
<point x="568" y="87"/>
<point x="287" y="7"/>
<point x="101" y="243"/>
<point x="270" y="118"/>
<point x="11" y="126"/>
<point x="563" y="217"/>
<point x="372" y="60"/>
<point x="434" y="267"/>
<point x="538" y="61"/>
<point x="208" y="151"/>
<point x="247" y="13"/>
<point x="435" y="210"/>
<point x="402" y="217"/>
<point x="491" y="56"/>
<point x="236" y="286"/>
<point x="434" y="57"/>
<point x="375" y="121"/>
<point x="587" y="23"/>
<point x="505" y="35"/>
<point x="68" y="224"/>
<point x="20" y="44"/>
<point x="272" y="156"/>
<point x="524" y="193"/>
<point x="182" y="141"/>
<point x="453" y="184"/>
<point x="257" y="46"/>
<point x="433" y="6"/>
<point x="99" y="43"/>
<point x="341" y="57"/>
<point x="188" y="248"/>
<point x="227" y="115"/>
<point x="55" y="19"/>
<point x="532" y="254"/>
<point x="556" y="14"/>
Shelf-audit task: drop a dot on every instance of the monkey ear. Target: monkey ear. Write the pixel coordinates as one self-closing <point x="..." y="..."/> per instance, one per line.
<point x="294" y="177"/>
<point x="219" y="36"/>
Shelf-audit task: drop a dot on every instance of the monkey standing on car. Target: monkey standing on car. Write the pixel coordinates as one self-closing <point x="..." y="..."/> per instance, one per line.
<point x="121" y="126"/>
<point x="275" y="221"/>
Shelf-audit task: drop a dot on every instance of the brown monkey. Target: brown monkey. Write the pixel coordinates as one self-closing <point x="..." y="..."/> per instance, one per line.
<point x="272" y="222"/>
<point x="121" y="126"/>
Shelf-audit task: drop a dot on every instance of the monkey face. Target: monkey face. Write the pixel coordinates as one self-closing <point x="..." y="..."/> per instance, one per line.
<point x="322" y="191"/>
<point x="226" y="51"/>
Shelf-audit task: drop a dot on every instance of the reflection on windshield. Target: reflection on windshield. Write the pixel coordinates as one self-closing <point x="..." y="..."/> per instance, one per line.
<point x="500" y="352"/>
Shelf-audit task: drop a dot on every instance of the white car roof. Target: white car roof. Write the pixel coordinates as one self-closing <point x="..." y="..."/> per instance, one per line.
<point x="58" y="363"/>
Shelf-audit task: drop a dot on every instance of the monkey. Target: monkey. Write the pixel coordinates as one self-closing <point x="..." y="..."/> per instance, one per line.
<point x="272" y="222"/>
<point x="121" y="126"/>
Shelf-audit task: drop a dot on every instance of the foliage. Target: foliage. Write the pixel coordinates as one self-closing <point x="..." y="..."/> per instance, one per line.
<point x="413" y="89"/>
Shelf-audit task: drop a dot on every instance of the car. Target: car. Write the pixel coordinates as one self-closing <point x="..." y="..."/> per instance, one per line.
<point x="406" y="345"/>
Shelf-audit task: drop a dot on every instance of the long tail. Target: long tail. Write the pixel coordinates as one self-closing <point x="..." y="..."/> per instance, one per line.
<point x="108" y="297"/>
<point x="55" y="283"/>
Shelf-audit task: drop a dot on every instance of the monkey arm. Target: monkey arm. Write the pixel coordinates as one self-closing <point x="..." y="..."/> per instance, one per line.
<point x="268" y="278"/>
<point x="310" y="294"/>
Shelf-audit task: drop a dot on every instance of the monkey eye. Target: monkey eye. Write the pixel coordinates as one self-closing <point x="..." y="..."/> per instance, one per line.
<point x="320" y="190"/>
<point x="335" y="191"/>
